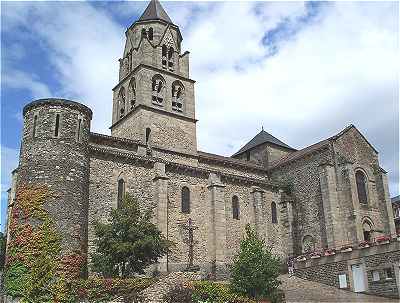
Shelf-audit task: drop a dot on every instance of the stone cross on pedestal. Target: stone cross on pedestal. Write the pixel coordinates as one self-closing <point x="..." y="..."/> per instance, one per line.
<point x="189" y="227"/>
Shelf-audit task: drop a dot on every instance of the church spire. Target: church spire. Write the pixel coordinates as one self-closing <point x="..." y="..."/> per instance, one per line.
<point x="155" y="11"/>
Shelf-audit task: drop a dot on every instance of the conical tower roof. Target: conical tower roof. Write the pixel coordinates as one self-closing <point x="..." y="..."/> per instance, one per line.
<point x="155" y="11"/>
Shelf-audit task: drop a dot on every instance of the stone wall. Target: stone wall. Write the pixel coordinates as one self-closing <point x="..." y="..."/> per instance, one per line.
<point x="302" y="178"/>
<point x="58" y="157"/>
<point x="156" y="182"/>
<point x="376" y="258"/>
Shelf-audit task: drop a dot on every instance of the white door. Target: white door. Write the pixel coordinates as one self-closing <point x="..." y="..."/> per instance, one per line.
<point x="358" y="278"/>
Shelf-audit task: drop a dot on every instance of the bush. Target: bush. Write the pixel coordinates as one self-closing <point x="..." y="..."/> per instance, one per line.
<point x="179" y="294"/>
<point x="104" y="290"/>
<point x="255" y="270"/>
<point x="213" y="292"/>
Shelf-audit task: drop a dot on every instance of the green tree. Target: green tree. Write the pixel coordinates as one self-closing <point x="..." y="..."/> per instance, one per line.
<point x="128" y="243"/>
<point x="255" y="270"/>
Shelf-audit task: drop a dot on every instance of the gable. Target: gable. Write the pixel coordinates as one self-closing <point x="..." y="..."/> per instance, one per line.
<point x="353" y="146"/>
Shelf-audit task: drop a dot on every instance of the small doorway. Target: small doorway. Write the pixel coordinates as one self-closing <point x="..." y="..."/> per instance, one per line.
<point x="358" y="278"/>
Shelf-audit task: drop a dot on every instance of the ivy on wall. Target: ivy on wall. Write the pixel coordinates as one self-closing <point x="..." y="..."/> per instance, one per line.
<point x="35" y="268"/>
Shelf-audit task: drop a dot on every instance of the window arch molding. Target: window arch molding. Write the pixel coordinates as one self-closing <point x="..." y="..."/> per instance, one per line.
<point x="158" y="89"/>
<point x="186" y="198"/>
<point x="235" y="207"/>
<point x="178" y="96"/>
<point x="361" y="177"/>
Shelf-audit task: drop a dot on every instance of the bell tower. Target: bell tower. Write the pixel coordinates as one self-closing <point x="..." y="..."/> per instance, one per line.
<point x="154" y="99"/>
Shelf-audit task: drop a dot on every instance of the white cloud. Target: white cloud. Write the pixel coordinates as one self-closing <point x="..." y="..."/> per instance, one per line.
<point x="20" y="80"/>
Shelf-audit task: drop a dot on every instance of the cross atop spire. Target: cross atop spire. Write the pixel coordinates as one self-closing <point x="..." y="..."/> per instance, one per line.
<point x="155" y="11"/>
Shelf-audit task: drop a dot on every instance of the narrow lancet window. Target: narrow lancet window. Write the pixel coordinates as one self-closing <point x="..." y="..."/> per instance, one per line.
<point x="235" y="208"/>
<point x="57" y="126"/>
<point x="78" y="132"/>
<point x="121" y="192"/>
<point x="35" y="118"/>
<point x="274" y="217"/>
<point x="148" y="133"/>
<point x="185" y="203"/>
<point x="150" y="34"/>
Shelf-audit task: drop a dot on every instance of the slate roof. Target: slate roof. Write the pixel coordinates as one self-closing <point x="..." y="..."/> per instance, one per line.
<point x="155" y="11"/>
<point x="396" y="199"/>
<point x="261" y="138"/>
<point x="315" y="147"/>
<point x="301" y="153"/>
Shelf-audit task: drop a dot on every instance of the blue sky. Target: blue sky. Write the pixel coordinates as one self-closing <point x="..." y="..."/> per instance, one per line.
<point x="302" y="70"/>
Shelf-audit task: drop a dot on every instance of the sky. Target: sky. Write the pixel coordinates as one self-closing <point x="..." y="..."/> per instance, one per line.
<point x="302" y="70"/>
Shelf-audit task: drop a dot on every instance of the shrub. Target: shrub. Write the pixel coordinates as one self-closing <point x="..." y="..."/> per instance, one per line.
<point x="255" y="270"/>
<point x="179" y="294"/>
<point x="214" y="292"/>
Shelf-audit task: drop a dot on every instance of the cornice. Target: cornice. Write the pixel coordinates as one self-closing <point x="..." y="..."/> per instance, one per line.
<point x="155" y="110"/>
<point x="183" y="167"/>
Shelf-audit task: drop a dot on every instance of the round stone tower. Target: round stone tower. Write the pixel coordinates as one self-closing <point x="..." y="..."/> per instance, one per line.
<point x="55" y="153"/>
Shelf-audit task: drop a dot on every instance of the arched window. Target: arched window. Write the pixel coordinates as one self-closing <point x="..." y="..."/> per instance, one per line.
<point x="150" y="34"/>
<point x="164" y="55"/>
<point x="308" y="244"/>
<point x="177" y="96"/>
<point x="367" y="230"/>
<point x="171" y="57"/>
<point x="132" y="93"/>
<point x="274" y="217"/>
<point x="185" y="203"/>
<point x="121" y="192"/>
<point x="148" y="133"/>
<point x="158" y="89"/>
<point x="235" y="207"/>
<point x="361" y="182"/>
<point x="144" y="33"/>
<point x="121" y="102"/>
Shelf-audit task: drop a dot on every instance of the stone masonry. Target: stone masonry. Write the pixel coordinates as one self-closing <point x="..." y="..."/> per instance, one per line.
<point x="327" y="195"/>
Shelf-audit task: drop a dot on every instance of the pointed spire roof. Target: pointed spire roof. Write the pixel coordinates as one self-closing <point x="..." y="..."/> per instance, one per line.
<point x="261" y="138"/>
<point x="155" y="11"/>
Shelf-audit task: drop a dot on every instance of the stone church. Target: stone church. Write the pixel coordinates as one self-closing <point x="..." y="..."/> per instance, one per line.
<point x="327" y="195"/>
